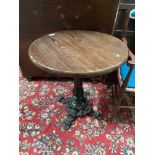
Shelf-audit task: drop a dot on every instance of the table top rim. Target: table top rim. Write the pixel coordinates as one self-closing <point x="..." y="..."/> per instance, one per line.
<point x="75" y="74"/>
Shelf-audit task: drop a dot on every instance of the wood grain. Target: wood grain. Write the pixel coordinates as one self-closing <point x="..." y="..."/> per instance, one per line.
<point x="78" y="53"/>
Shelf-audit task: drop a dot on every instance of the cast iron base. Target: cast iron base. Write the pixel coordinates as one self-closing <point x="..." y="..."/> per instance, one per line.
<point x="77" y="105"/>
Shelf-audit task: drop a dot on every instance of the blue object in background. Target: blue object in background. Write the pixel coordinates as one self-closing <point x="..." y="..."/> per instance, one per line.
<point x="132" y="14"/>
<point x="124" y="69"/>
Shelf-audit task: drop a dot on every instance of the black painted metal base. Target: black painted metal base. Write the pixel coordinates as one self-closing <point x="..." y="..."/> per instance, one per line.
<point x="77" y="105"/>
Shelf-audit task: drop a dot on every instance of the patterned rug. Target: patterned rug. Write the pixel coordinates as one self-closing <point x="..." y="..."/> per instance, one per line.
<point x="41" y="117"/>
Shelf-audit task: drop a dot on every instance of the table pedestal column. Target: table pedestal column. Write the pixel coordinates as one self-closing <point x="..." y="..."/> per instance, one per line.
<point x="77" y="105"/>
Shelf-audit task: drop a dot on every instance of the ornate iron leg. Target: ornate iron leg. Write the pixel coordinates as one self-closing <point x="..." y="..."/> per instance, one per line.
<point x="77" y="105"/>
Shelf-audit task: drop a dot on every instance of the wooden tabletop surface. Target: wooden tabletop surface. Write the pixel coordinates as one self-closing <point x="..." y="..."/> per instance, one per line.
<point x="77" y="53"/>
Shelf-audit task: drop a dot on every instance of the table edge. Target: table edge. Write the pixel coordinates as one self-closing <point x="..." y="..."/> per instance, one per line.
<point x="71" y="74"/>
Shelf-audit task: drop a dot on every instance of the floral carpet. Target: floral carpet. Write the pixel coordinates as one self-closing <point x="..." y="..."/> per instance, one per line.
<point x="41" y="117"/>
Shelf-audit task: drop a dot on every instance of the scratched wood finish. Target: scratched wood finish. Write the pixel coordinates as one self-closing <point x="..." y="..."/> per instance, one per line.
<point x="40" y="17"/>
<point x="78" y="53"/>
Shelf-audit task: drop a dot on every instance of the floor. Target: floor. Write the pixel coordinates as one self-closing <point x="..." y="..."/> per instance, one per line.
<point x="41" y="117"/>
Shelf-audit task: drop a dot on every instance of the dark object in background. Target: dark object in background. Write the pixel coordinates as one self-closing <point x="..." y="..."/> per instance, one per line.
<point x="39" y="17"/>
<point x="126" y="5"/>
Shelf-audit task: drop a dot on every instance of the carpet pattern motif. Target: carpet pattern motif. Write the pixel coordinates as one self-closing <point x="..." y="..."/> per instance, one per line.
<point x="41" y="117"/>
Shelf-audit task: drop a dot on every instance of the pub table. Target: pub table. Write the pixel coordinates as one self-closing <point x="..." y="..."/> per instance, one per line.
<point x="78" y="54"/>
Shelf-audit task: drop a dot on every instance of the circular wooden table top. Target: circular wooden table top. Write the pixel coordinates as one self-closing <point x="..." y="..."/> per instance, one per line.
<point x="77" y="53"/>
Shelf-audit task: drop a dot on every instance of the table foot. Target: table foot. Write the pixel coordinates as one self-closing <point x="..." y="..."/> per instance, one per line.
<point x="68" y="122"/>
<point x="95" y="114"/>
<point x="77" y="105"/>
<point x="76" y="109"/>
